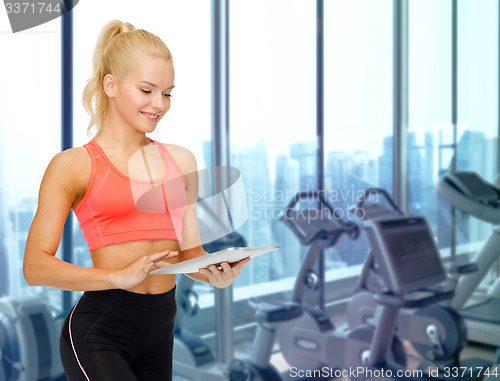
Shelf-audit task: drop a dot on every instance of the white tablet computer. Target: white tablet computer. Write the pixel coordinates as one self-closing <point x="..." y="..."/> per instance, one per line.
<point x="230" y="255"/>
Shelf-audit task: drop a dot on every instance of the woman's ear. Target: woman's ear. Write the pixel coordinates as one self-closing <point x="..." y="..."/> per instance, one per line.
<point x="109" y="85"/>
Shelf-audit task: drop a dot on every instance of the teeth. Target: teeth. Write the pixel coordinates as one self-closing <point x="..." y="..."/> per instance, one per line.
<point x="152" y="116"/>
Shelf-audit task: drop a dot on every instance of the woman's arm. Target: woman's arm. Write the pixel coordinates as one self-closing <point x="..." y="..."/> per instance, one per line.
<point x="58" y="191"/>
<point x="66" y="178"/>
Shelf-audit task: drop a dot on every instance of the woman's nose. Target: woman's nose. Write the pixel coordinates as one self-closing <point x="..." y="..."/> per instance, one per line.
<point x="159" y="102"/>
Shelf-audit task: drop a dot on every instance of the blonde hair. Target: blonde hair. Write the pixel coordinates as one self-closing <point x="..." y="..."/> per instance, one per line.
<point x="117" y="46"/>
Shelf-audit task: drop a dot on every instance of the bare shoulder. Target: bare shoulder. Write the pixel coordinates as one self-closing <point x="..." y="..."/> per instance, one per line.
<point x="70" y="161"/>
<point x="71" y="168"/>
<point x="183" y="157"/>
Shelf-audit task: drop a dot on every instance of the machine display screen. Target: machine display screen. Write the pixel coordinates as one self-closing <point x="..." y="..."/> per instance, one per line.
<point x="412" y="252"/>
<point x="472" y="185"/>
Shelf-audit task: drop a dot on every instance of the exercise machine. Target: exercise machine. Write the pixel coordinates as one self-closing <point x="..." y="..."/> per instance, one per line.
<point x="269" y="316"/>
<point x="471" y="194"/>
<point x="331" y="352"/>
<point x="319" y="228"/>
<point x="406" y="255"/>
<point x="308" y="339"/>
<point x="303" y="330"/>
<point x="437" y="332"/>
<point x="29" y="341"/>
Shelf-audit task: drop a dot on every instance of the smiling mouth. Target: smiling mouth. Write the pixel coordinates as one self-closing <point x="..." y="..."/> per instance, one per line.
<point x="150" y="116"/>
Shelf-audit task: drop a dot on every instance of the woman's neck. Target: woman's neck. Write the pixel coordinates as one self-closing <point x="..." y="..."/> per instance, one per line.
<point x="115" y="132"/>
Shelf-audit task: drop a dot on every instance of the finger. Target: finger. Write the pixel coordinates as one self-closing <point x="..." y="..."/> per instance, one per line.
<point x="241" y="264"/>
<point x="161" y="254"/>
<point x="238" y="268"/>
<point x="150" y="266"/>
<point x="173" y="254"/>
<point x="170" y="255"/>
<point x="226" y="268"/>
<point x="213" y="269"/>
<point x="208" y="274"/>
<point x="161" y="264"/>
<point x="142" y="263"/>
<point x="215" y="272"/>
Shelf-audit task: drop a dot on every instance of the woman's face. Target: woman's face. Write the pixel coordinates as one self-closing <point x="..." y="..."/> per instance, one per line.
<point x="142" y="98"/>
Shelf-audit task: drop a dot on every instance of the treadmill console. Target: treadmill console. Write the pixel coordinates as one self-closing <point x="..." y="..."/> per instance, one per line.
<point x="405" y="250"/>
<point x="472" y="185"/>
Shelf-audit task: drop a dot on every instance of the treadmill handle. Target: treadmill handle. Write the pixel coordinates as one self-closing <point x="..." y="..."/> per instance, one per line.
<point x="306" y="195"/>
<point x="362" y="199"/>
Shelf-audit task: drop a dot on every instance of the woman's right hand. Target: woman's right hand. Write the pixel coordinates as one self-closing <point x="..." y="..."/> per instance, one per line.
<point x="135" y="273"/>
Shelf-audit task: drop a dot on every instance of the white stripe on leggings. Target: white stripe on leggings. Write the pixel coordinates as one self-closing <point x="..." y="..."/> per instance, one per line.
<point x="72" y="345"/>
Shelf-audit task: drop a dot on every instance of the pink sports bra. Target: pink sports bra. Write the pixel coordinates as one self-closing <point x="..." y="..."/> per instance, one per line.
<point x="118" y="209"/>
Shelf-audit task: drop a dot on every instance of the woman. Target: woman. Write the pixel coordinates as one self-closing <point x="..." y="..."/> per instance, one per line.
<point x="122" y="327"/>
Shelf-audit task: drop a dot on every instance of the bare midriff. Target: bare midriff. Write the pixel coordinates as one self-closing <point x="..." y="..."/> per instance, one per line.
<point x="120" y="256"/>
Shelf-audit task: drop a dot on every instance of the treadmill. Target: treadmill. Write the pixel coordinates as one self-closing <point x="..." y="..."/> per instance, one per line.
<point x="470" y="193"/>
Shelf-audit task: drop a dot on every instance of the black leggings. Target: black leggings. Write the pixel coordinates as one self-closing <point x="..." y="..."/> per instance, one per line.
<point x="119" y="335"/>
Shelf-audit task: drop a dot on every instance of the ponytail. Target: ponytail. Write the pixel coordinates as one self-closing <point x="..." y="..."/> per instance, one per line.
<point x="119" y="43"/>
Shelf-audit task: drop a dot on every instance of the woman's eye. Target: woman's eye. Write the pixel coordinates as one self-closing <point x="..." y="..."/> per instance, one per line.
<point x="149" y="92"/>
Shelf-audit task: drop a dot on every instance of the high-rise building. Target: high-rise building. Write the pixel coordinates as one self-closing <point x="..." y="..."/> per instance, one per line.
<point x="306" y="155"/>
<point x="385" y="164"/>
<point x="421" y="171"/>
<point x="253" y="163"/>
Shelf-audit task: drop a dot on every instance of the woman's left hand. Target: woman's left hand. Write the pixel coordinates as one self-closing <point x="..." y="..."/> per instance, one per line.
<point x="226" y="275"/>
